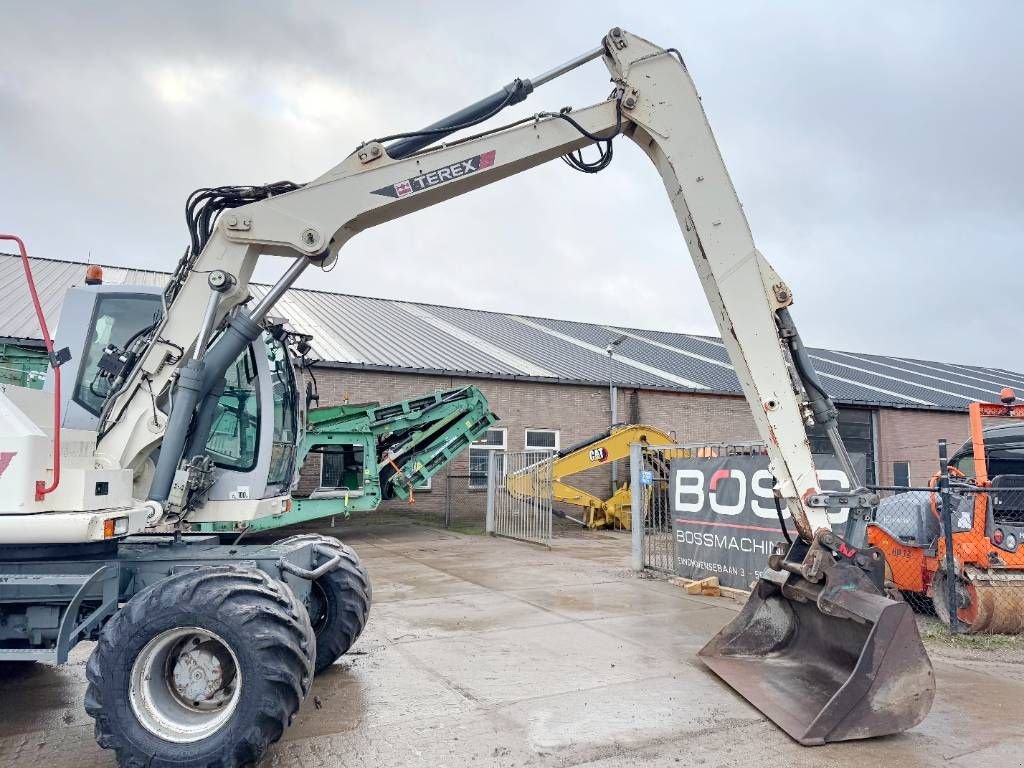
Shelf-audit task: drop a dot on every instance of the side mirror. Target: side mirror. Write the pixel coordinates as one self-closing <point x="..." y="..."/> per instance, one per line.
<point x="312" y="396"/>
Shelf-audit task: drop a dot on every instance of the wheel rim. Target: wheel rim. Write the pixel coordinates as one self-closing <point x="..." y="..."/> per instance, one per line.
<point x="185" y="684"/>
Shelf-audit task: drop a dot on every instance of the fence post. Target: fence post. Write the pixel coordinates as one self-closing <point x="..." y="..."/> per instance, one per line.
<point x="489" y="523"/>
<point x="448" y="499"/>
<point x="947" y="528"/>
<point x="637" y="511"/>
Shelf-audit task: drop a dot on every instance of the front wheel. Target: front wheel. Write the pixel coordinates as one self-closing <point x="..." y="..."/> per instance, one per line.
<point x="339" y="601"/>
<point x="204" y="668"/>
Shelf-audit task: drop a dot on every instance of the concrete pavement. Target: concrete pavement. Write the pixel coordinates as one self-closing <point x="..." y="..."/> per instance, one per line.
<point x="485" y="652"/>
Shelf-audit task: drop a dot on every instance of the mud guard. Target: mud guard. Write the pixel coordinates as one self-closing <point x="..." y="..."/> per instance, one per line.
<point x="830" y="659"/>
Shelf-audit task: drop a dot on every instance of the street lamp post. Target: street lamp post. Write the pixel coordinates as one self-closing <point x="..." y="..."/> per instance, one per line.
<point x="613" y="396"/>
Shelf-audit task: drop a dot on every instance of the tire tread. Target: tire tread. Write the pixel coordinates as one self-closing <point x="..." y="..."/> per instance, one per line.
<point x="273" y="618"/>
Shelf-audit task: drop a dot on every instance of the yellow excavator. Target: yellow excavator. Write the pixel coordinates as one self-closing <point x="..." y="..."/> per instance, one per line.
<point x="599" y="451"/>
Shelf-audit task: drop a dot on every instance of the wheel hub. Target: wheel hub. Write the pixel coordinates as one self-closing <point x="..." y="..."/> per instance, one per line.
<point x="185" y="684"/>
<point x="199" y="674"/>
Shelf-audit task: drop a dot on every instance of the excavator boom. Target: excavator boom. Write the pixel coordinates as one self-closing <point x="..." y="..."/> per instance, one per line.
<point x="598" y="451"/>
<point x="818" y="648"/>
<point x="654" y="103"/>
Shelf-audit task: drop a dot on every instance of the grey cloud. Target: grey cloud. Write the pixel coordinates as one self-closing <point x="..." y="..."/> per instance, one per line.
<point x="875" y="147"/>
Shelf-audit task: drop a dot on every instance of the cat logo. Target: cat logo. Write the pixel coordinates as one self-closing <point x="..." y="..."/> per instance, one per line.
<point x="599" y="454"/>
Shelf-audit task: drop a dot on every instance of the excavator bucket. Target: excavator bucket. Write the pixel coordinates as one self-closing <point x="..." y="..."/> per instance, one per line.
<point x="828" y="662"/>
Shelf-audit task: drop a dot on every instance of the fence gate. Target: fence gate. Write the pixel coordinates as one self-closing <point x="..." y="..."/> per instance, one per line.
<point x="519" y="495"/>
<point x="653" y="546"/>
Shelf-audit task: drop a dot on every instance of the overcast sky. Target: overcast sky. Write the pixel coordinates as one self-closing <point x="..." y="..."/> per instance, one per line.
<point x="877" y="149"/>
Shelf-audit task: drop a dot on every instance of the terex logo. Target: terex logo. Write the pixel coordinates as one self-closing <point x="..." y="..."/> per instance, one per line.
<point x="5" y="460"/>
<point x="734" y="491"/>
<point x="441" y="175"/>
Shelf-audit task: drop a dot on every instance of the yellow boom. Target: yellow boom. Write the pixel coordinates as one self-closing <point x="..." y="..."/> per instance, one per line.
<point x="613" y="445"/>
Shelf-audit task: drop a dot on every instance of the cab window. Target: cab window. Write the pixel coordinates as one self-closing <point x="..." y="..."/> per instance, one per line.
<point x="234" y="436"/>
<point x="116" y="319"/>
<point x="964" y="465"/>
<point x="282" y="379"/>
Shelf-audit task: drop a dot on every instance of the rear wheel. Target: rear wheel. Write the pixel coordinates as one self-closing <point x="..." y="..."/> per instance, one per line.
<point x="339" y="601"/>
<point x="204" y="668"/>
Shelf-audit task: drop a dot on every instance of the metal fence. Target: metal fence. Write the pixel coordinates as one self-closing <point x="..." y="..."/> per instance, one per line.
<point x="519" y="495"/>
<point x="653" y="542"/>
<point x="653" y="546"/>
<point x="465" y="503"/>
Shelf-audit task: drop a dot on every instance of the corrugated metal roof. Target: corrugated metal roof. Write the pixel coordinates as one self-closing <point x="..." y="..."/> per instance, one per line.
<point x="382" y="333"/>
<point x="52" y="278"/>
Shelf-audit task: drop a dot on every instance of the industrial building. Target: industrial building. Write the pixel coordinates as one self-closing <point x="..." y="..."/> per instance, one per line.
<point x="551" y="381"/>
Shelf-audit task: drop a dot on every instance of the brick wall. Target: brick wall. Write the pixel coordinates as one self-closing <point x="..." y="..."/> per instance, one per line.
<point x="580" y="412"/>
<point x="913" y="436"/>
<point x="692" y="418"/>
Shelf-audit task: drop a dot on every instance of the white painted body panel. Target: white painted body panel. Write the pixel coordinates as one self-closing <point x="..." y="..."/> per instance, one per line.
<point x="26" y="430"/>
<point x="67" y="527"/>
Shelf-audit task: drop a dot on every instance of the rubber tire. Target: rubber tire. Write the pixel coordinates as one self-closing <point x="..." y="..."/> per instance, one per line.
<point x="267" y="628"/>
<point x="348" y="593"/>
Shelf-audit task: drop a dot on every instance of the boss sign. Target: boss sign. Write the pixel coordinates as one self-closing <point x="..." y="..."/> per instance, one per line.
<point x="732" y="491"/>
<point x="724" y="520"/>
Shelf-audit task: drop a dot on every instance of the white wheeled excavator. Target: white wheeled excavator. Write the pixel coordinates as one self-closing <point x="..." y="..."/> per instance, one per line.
<point x="205" y="651"/>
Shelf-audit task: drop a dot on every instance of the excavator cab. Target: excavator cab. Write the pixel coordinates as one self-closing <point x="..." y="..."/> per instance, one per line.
<point x="255" y="425"/>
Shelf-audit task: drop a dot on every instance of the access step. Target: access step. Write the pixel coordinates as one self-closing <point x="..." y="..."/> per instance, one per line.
<point x="44" y="655"/>
<point x="44" y="579"/>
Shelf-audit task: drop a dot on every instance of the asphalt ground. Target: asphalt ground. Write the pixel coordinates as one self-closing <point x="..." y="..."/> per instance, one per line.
<point x="489" y="652"/>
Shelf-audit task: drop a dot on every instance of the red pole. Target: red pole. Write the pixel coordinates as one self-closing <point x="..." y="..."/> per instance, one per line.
<point x="41" y="488"/>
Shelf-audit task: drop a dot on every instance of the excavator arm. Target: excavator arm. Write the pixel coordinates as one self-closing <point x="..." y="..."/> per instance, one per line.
<point x="598" y="451"/>
<point x="818" y="648"/>
<point x="654" y="103"/>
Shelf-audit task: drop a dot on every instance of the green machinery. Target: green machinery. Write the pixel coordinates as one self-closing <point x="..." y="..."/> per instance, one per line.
<point x="371" y="452"/>
<point x="23" y="366"/>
